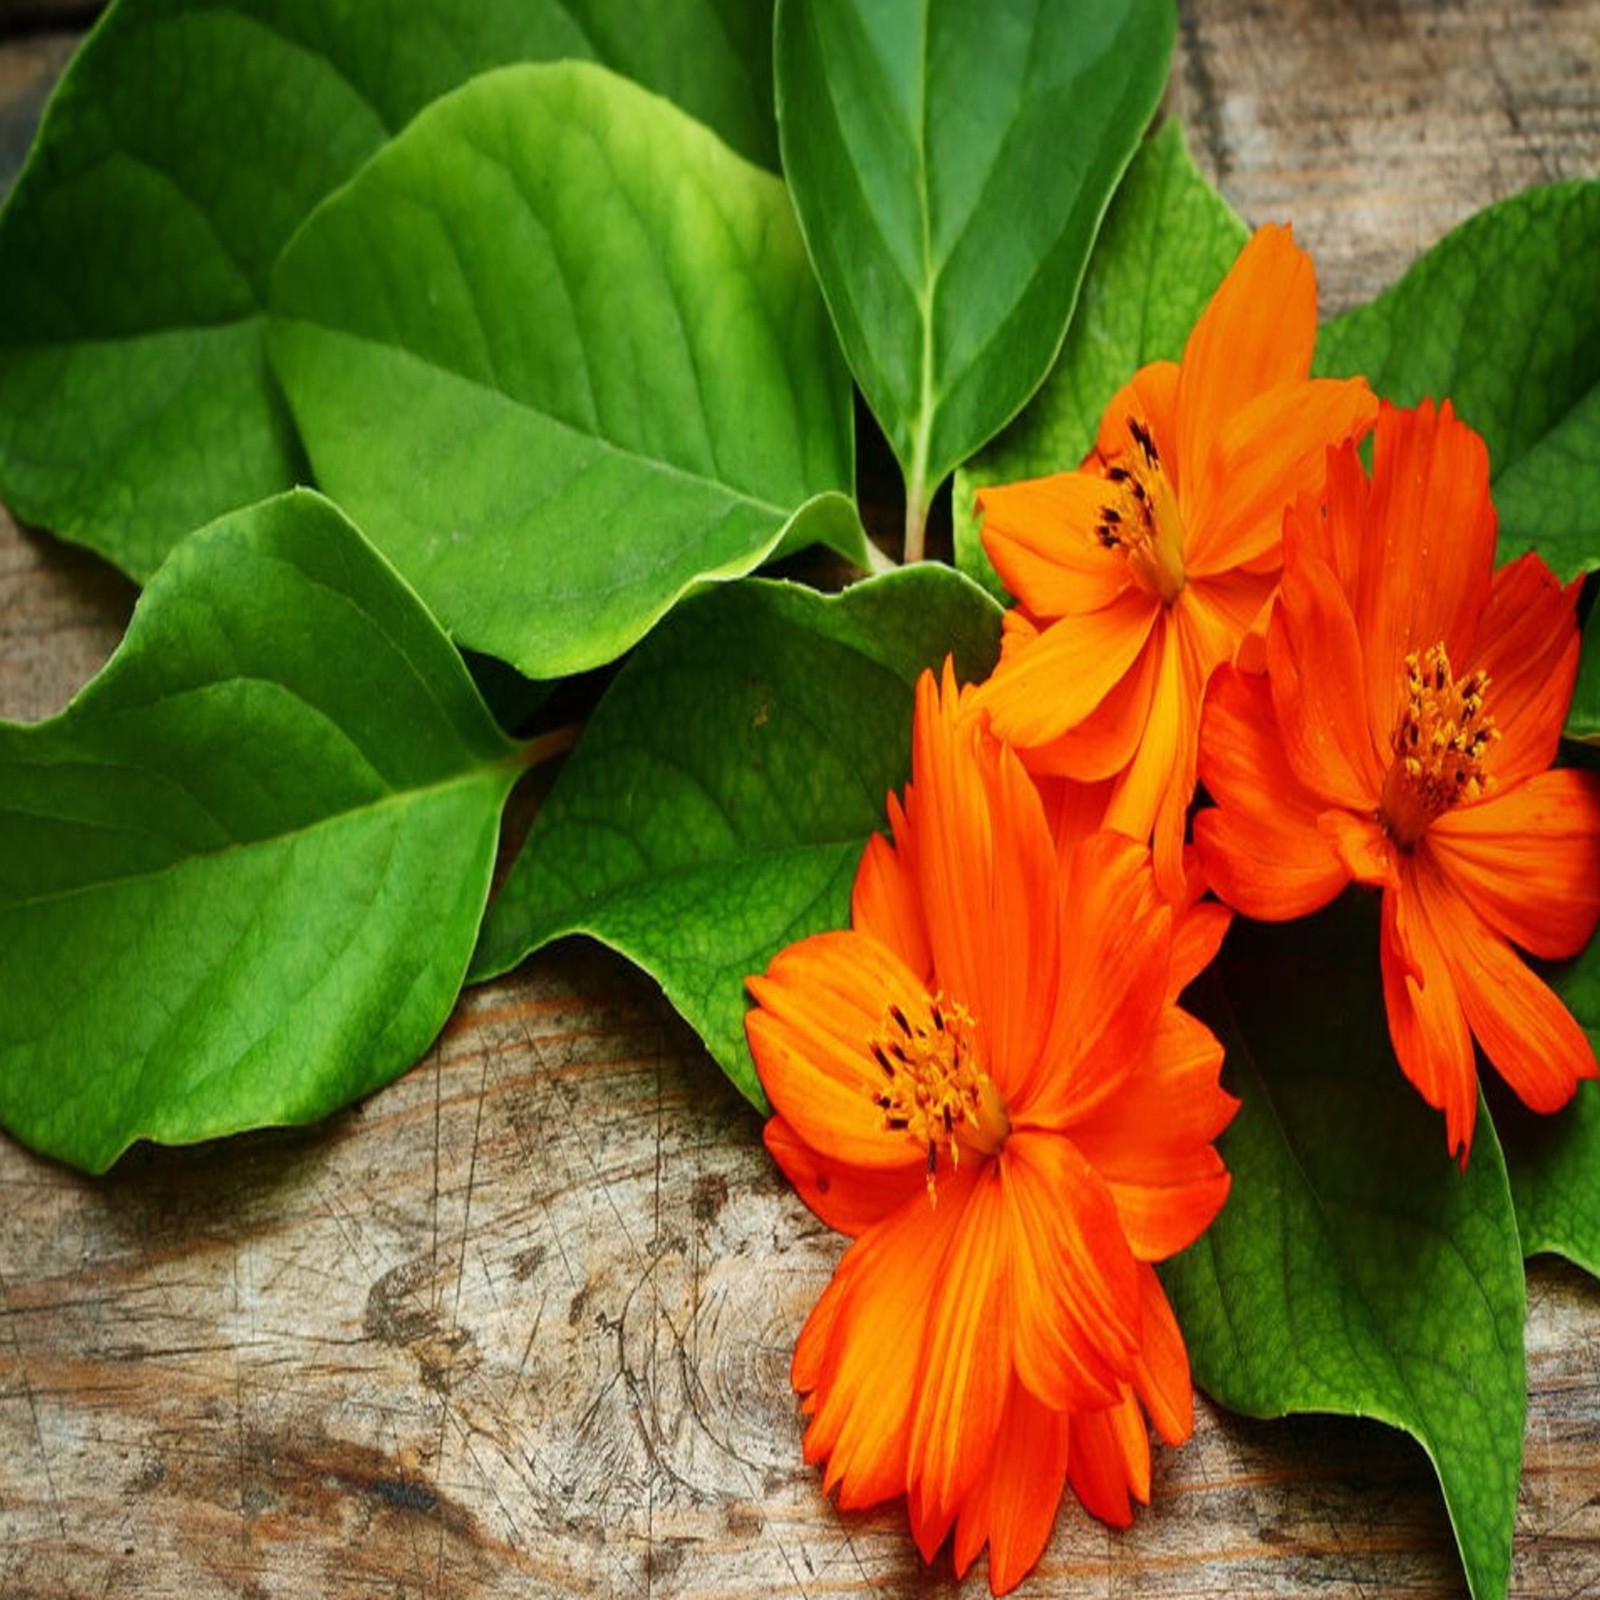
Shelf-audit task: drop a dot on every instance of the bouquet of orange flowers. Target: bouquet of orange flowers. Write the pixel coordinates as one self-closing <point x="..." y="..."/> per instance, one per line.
<point x="1103" y="922"/>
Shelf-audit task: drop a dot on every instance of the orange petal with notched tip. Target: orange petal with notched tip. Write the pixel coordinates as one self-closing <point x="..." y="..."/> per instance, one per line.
<point x="1076" y="1300"/>
<point x="1431" y="535"/>
<point x="1260" y="848"/>
<point x="1152" y="1141"/>
<point x="1527" y="860"/>
<point x="1013" y="1505"/>
<point x="1426" y="1025"/>
<point x="1036" y="694"/>
<point x="1528" y="1035"/>
<point x="1257" y="332"/>
<point x="1268" y="453"/>
<point x="1528" y="644"/>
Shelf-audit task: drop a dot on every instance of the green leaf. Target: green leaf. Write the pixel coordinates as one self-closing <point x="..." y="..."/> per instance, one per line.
<point x="951" y="163"/>
<point x="1583" y="713"/>
<point x="187" y="141"/>
<point x="241" y="874"/>
<point x="728" y="782"/>
<point x="1168" y="241"/>
<point x="1554" y="1160"/>
<point x="1354" y="1269"/>
<point x="560" y="353"/>
<point x="1503" y="317"/>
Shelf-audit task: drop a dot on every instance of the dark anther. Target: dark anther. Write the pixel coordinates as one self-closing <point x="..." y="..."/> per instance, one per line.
<point x="900" y="1020"/>
<point x="1141" y="437"/>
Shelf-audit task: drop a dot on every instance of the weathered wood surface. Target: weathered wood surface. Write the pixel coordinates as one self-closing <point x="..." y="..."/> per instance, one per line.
<point x="520" y="1324"/>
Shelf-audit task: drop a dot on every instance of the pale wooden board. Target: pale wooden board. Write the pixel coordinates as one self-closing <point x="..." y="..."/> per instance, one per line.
<point x="520" y="1324"/>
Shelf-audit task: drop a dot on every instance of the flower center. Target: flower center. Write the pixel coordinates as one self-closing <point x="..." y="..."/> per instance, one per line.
<point x="1140" y="516"/>
<point x="1441" y="738"/>
<point x="934" y="1090"/>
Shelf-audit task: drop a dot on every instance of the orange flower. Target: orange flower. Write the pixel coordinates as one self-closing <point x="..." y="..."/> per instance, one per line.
<point x="987" y="1084"/>
<point x="1138" y="575"/>
<point x="1413" y="703"/>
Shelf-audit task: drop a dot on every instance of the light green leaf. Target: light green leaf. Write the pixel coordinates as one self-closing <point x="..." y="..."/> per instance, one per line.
<point x="950" y="164"/>
<point x="187" y="141"/>
<point x="560" y="353"/>
<point x="727" y="784"/>
<point x="241" y="874"/>
<point x="1354" y="1269"/>
<point x="1502" y="317"/>
<point x="1167" y="243"/>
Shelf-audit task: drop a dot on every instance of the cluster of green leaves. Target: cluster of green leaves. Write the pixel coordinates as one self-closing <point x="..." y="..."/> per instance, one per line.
<point x="518" y="286"/>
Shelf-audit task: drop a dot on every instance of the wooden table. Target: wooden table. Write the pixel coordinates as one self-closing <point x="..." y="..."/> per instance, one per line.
<point x="521" y="1323"/>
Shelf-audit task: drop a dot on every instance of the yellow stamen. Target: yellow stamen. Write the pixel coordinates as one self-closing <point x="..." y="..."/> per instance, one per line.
<point x="935" y="1090"/>
<point x="1441" y="738"/>
<point x="1140" y="516"/>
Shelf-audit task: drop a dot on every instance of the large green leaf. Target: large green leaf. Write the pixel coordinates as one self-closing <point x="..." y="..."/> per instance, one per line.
<point x="241" y="874"/>
<point x="1583" y="714"/>
<point x="186" y="143"/>
<point x="1554" y="1160"/>
<point x="1503" y="317"/>
<point x="724" y="789"/>
<point x="951" y="163"/>
<point x="560" y="353"/>
<point x="1168" y="241"/>
<point x="1354" y="1269"/>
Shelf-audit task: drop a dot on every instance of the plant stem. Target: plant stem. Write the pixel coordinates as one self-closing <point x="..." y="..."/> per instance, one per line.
<point x="546" y="746"/>
<point x="917" y="498"/>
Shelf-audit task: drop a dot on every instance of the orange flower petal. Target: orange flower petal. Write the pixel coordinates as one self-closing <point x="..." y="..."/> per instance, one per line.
<point x="966" y="1363"/>
<point x="1151" y="798"/>
<point x="883" y="901"/>
<point x="1040" y="536"/>
<point x="848" y="1199"/>
<point x="1197" y="934"/>
<point x="1363" y="848"/>
<point x="1117" y="954"/>
<point x="879" y="1301"/>
<point x="1257" y="332"/>
<point x="1261" y="851"/>
<point x="1151" y="1142"/>
<point x="1100" y="747"/>
<point x="1314" y="658"/>
<point x="818" y="1009"/>
<point x="986" y="882"/>
<point x="1161" y="1375"/>
<point x="1108" y="1459"/>
<point x="1527" y="860"/>
<point x="1431" y="538"/>
<point x="1526" y="1032"/>
<point x="1013" y="1505"/>
<point x="1037" y="693"/>
<point x="1267" y="454"/>
<point x="1075" y="1300"/>
<point x="1528" y="644"/>
<point x="1426" y="1025"/>
<point x="1150" y="396"/>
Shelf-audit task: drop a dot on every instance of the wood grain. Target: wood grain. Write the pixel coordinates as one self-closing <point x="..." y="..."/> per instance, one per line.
<point x="520" y="1324"/>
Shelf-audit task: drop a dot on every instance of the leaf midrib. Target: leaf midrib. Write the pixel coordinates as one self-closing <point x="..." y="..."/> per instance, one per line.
<point x="628" y="454"/>
<point x="506" y="768"/>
